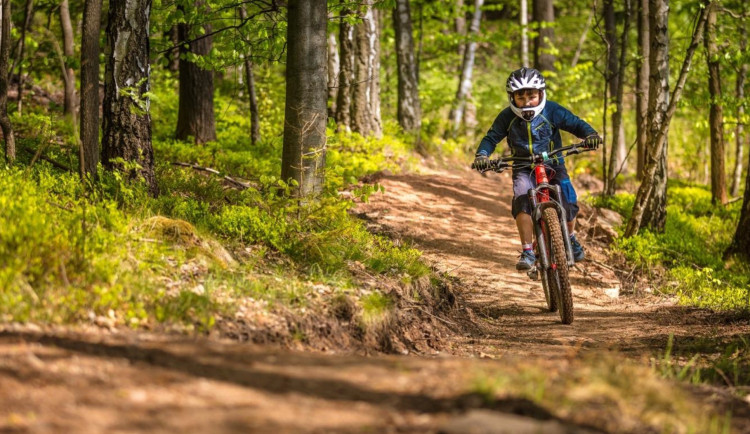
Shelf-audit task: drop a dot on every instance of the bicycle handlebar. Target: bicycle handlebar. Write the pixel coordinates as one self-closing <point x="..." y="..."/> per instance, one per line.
<point x="500" y="164"/>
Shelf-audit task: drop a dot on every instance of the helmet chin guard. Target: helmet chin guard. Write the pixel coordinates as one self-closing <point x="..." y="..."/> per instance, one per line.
<point x="526" y="78"/>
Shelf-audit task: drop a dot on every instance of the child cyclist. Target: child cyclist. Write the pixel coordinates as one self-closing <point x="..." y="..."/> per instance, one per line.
<point x="532" y="124"/>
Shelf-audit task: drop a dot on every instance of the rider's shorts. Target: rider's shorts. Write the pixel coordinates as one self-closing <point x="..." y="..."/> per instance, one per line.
<point x="524" y="179"/>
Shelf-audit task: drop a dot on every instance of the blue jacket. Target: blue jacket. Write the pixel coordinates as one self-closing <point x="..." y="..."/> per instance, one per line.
<point x="535" y="136"/>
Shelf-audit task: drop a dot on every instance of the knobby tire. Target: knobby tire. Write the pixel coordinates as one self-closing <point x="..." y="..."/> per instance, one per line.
<point x="549" y="283"/>
<point x="558" y="256"/>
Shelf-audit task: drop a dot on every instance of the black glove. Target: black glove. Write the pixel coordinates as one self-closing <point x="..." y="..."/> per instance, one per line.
<point x="481" y="162"/>
<point x="592" y="142"/>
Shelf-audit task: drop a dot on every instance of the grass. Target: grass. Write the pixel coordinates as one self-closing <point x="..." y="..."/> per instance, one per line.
<point x="606" y="392"/>
<point x="690" y="249"/>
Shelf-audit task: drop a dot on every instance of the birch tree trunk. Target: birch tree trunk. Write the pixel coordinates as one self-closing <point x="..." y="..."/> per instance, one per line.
<point x="195" y="117"/>
<point x="70" y="102"/>
<point x="716" y="112"/>
<point x="740" y="131"/>
<point x="409" y="109"/>
<point x="524" y="33"/>
<point x="304" y="153"/>
<point x="10" y="141"/>
<point x="544" y="15"/>
<point x="460" y="24"/>
<point x="649" y="208"/>
<point x="346" y="73"/>
<point x="333" y="73"/>
<point x="92" y="15"/>
<point x="641" y="101"/>
<point x="367" y="67"/>
<point x="464" y="83"/>
<point x="127" y="121"/>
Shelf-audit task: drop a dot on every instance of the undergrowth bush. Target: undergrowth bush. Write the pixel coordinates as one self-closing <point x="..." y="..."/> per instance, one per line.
<point x="691" y="248"/>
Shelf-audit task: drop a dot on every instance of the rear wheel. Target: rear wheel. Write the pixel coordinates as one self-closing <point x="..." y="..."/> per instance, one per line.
<point x="557" y="276"/>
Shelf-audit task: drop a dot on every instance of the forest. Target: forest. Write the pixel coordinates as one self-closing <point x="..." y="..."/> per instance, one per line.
<point x="184" y="178"/>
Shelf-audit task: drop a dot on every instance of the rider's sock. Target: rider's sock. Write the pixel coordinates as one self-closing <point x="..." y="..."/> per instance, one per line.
<point x="527" y="247"/>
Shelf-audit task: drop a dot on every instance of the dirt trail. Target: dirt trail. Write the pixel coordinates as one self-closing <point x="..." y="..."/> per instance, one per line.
<point x="123" y="381"/>
<point x="462" y="222"/>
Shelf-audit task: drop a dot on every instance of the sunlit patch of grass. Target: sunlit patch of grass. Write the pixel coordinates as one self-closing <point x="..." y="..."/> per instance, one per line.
<point x="606" y="392"/>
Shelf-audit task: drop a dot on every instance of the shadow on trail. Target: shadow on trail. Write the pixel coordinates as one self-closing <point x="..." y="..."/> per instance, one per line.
<point x="252" y="376"/>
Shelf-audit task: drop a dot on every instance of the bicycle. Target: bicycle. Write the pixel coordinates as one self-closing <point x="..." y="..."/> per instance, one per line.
<point x="551" y="238"/>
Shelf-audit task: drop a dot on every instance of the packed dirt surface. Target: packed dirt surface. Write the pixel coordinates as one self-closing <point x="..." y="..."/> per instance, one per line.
<point x="103" y="380"/>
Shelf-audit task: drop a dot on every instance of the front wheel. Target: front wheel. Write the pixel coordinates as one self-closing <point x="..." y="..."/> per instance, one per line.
<point x="557" y="275"/>
<point x="549" y="285"/>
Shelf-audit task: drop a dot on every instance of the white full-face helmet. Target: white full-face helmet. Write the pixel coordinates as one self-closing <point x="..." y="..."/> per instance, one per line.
<point x="526" y="78"/>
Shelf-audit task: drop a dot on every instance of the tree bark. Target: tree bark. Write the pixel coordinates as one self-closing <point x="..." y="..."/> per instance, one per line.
<point x="304" y="153"/>
<point x="90" y="86"/>
<point x="464" y="82"/>
<point x="10" y="141"/>
<point x="346" y="73"/>
<point x="641" y="101"/>
<point x="649" y="208"/>
<point x="127" y="122"/>
<point x="251" y="94"/>
<point x="741" y="241"/>
<point x="716" y="111"/>
<point x="544" y="15"/>
<point x="195" y="117"/>
<point x="375" y="82"/>
<point x="460" y="24"/>
<point x="740" y="131"/>
<point x="617" y="157"/>
<point x="333" y="73"/>
<point x="70" y="102"/>
<point x="18" y="61"/>
<point x="524" y="15"/>
<point x="409" y="109"/>
<point x="367" y="67"/>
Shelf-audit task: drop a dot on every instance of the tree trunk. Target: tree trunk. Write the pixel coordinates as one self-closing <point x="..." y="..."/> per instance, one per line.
<point x="409" y="110"/>
<point x="524" y="33"/>
<point x="641" y="102"/>
<point x="460" y="24"/>
<point x="304" y="153"/>
<point x="617" y="157"/>
<point x="69" y="51"/>
<point x="333" y="73"/>
<point x="741" y="240"/>
<point x="544" y="15"/>
<point x="367" y="66"/>
<point x="18" y="61"/>
<point x="92" y="15"/>
<point x="250" y="83"/>
<point x="195" y="117"/>
<point x="346" y="73"/>
<point x="716" y="111"/>
<point x="464" y="83"/>
<point x="127" y="122"/>
<point x="375" y="82"/>
<point x="649" y="208"/>
<point x="10" y="141"/>
<point x="740" y="131"/>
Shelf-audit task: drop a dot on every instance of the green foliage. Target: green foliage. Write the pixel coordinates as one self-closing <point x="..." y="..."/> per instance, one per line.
<point x="691" y="248"/>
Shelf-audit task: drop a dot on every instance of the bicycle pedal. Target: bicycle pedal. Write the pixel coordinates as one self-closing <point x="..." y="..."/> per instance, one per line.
<point x="533" y="273"/>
